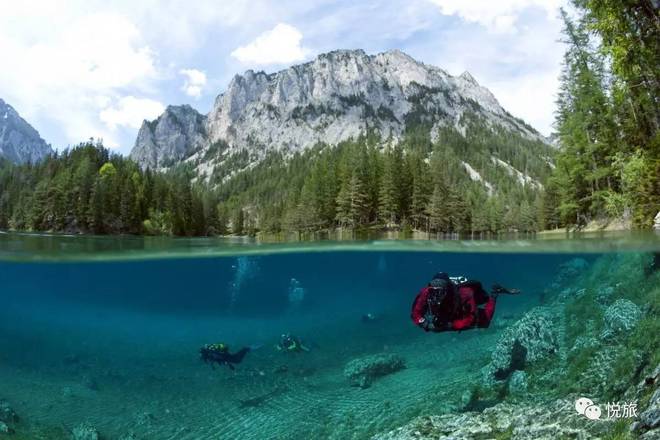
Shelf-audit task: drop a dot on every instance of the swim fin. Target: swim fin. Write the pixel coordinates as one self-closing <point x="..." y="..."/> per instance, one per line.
<point x="498" y="289"/>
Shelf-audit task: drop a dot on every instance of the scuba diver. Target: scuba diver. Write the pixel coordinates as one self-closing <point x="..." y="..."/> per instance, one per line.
<point x="368" y="317"/>
<point x="290" y="344"/>
<point x="455" y="304"/>
<point x="219" y="354"/>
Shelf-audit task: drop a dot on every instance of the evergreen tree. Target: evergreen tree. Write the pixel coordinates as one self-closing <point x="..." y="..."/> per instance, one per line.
<point x="389" y="200"/>
<point x="438" y="210"/>
<point x="238" y="222"/>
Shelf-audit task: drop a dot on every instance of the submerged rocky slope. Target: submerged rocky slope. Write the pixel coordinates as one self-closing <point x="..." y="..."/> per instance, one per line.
<point x="337" y="96"/>
<point x="19" y="141"/>
<point x="596" y="337"/>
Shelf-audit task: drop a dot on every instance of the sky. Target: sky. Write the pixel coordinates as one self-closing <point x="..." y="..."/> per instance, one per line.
<point x="77" y="69"/>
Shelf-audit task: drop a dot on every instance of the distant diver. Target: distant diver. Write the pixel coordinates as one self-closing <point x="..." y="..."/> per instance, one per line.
<point x="219" y="354"/>
<point x="290" y="344"/>
<point x="455" y="304"/>
<point x="368" y="317"/>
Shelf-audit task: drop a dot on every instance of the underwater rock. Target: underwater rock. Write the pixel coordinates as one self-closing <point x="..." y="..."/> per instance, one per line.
<point x="622" y="316"/>
<point x="651" y="416"/>
<point x="518" y="383"/>
<point x="7" y="417"/>
<point x="4" y="429"/>
<point x="549" y="421"/>
<point x="84" y="431"/>
<point x="7" y="414"/>
<point x="361" y="372"/>
<point x="530" y="339"/>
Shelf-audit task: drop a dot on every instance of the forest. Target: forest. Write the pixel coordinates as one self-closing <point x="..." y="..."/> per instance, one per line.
<point x="414" y="185"/>
<point x="608" y="114"/>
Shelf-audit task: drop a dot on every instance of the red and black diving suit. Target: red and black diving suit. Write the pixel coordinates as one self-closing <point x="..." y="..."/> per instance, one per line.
<point x="453" y="305"/>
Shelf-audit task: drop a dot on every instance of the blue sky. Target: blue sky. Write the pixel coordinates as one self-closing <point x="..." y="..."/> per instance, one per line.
<point x="80" y="69"/>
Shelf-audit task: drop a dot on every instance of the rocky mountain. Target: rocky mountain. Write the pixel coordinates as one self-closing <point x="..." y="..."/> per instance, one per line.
<point x="337" y="96"/>
<point x="19" y="141"/>
<point x="178" y="132"/>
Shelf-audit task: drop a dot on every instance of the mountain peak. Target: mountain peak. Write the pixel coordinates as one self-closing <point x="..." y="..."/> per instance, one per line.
<point x="19" y="141"/>
<point x="337" y="96"/>
<point x="343" y="53"/>
<point x="467" y="76"/>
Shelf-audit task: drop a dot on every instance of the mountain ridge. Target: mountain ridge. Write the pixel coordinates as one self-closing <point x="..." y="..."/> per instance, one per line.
<point x="337" y="96"/>
<point x="19" y="141"/>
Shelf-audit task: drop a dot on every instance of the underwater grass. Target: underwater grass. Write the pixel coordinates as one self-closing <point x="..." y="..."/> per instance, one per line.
<point x="620" y="430"/>
<point x="578" y="313"/>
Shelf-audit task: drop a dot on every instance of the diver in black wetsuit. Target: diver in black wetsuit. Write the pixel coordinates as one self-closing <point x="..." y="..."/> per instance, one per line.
<point x="219" y="354"/>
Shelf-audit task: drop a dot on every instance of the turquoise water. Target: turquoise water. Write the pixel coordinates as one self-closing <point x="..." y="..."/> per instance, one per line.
<point x="100" y="331"/>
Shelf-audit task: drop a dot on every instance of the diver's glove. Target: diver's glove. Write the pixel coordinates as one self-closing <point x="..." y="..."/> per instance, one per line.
<point x="426" y="324"/>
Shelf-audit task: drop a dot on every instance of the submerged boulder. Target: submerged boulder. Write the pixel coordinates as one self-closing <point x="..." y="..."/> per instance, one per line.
<point x="547" y="421"/>
<point x="7" y="414"/>
<point x="361" y="372"/>
<point x="532" y="338"/>
<point x="650" y="418"/>
<point x="620" y="317"/>
<point x="648" y="425"/>
<point x="518" y="383"/>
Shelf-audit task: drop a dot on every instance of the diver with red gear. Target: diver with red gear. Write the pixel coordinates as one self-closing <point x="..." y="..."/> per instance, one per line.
<point x="455" y="304"/>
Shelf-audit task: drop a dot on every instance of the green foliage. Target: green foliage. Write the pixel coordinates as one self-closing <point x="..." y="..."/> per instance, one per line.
<point x="620" y="430"/>
<point x="636" y="350"/>
<point x="578" y="312"/>
<point x="416" y="184"/>
<point x="505" y="435"/>
<point x="608" y="118"/>
<point x="578" y="363"/>
<point x="358" y="184"/>
<point x="86" y="189"/>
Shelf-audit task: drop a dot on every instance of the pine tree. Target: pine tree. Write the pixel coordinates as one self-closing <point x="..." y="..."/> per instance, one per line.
<point x="438" y="211"/>
<point x="389" y="200"/>
<point x="343" y="203"/>
<point x="95" y="210"/>
<point x="238" y="222"/>
<point x="359" y="208"/>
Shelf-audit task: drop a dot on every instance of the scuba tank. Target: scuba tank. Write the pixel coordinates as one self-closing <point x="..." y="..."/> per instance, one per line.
<point x="458" y="280"/>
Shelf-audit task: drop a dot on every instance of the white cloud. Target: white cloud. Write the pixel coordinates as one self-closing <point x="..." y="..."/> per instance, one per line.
<point x="67" y="72"/>
<point x="276" y="46"/>
<point x="531" y="97"/>
<point x="193" y="83"/>
<point x="499" y="16"/>
<point x="130" y="111"/>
